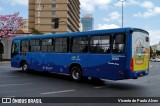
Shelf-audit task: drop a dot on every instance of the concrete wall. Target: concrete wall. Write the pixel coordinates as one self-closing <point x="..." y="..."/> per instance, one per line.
<point x="7" y="42"/>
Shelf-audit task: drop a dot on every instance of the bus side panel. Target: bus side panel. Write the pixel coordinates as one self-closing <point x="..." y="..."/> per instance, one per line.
<point x="81" y="59"/>
<point x="35" y="61"/>
<point x="60" y="62"/>
<point x="128" y="54"/>
<point x="98" y="66"/>
<point x="106" y="66"/>
<point x="47" y="62"/>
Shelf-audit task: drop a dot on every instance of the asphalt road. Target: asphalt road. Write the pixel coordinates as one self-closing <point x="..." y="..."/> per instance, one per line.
<point x="14" y="83"/>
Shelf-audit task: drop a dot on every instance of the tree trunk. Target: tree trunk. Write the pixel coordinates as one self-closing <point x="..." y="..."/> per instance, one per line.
<point x="0" y="57"/>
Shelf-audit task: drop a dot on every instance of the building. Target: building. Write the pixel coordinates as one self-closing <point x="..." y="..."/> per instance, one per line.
<point x="87" y="22"/>
<point x="42" y="12"/>
<point x="156" y="50"/>
<point x="155" y="47"/>
<point x="80" y="27"/>
<point x="5" y="48"/>
<point x="24" y="27"/>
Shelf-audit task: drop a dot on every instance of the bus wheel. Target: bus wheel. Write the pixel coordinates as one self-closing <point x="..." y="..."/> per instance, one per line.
<point x="24" y="67"/>
<point x="76" y="73"/>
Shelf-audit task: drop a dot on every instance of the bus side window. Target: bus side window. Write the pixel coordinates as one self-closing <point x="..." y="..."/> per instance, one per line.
<point x="100" y="44"/>
<point x="35" y="45"/>
<point x="47" y="45"/>
<point x="25" y="46"/>
<point x="62" y="45"/>
<point x="79" y="45"/>
<point x="118" y="43"/>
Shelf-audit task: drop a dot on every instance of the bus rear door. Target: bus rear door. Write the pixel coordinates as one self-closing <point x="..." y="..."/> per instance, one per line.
<point x="118" y="61"/>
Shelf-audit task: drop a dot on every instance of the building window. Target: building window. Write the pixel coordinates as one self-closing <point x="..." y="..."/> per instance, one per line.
<point x="119" y="43"/>
<point x="47" y="45"/>
<point x="35" y="45"/>
<point x="53" y="6"/>
<point x="61" y="45"/>
<point x="79" y="44"/>
<point x="53" y="12"/>
<point x="25" y="46"/>
<point x="100" y="44"/>
<point x="53" y="1"/>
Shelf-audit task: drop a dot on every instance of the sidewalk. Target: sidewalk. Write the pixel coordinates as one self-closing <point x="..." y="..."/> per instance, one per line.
<point x="2" y="62"/>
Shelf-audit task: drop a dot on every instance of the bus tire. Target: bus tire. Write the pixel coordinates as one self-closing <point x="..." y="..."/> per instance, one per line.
<point x="24" y="67"/>
<point x="76" y="73"/>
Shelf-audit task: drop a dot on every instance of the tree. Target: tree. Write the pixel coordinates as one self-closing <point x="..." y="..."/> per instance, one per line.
<point x="151" y="52"/>
<point x="9" y="25"/>
<point x="35" y="31"/>
<point x="158" y="52"/>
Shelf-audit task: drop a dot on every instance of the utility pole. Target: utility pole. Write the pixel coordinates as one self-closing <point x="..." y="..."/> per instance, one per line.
<point x="122" y="10"/>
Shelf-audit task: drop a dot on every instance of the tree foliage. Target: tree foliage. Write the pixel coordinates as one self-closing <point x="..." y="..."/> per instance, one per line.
<point x="35" y="31"/>
<point x="151" y="52"/>
<point x="9" y="24"/>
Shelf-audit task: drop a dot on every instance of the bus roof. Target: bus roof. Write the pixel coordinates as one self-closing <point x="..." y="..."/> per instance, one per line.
<point x="93" y="32"/>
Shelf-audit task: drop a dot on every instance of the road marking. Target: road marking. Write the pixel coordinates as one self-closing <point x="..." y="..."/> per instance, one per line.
<point x="9" y="76"/>
<point x="10" y="96"/>
<point x="98" y="87"/>
<point x="64" y="91"/>
<point x="15" y="84"/>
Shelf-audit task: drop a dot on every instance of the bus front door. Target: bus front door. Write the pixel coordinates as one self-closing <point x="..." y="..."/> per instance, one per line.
<point x="15" y="54"/>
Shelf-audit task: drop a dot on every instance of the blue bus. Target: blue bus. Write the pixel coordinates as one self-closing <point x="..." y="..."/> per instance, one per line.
<point x="113" y="54"/>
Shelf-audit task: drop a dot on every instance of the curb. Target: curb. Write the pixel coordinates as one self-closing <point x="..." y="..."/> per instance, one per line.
<point x="2" y="62"/>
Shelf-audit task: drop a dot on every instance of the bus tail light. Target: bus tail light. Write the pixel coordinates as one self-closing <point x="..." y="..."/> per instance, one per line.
<point x="131" y="65"/>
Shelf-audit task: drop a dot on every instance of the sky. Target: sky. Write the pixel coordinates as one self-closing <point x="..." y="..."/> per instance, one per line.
<point x="144" y="14"/>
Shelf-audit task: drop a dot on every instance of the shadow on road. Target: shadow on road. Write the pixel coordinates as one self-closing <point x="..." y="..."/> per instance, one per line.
<point x="117" y="85"/>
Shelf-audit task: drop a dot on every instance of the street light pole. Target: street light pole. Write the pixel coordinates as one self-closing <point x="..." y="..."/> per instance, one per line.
<point x="122" y="10"/>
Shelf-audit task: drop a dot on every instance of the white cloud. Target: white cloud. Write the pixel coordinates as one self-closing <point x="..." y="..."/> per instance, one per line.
<point x="154" y="36"/>
<point x="149" y="13"/>
<point x="106" y="26"/>
<point x="126" y="3"/>
<point x="16" y="2"/>
<point x="113" y="16"/>
<point x="152" y="10"/>
<point x="147" y="4"/>
<point x="90" y="5"/>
